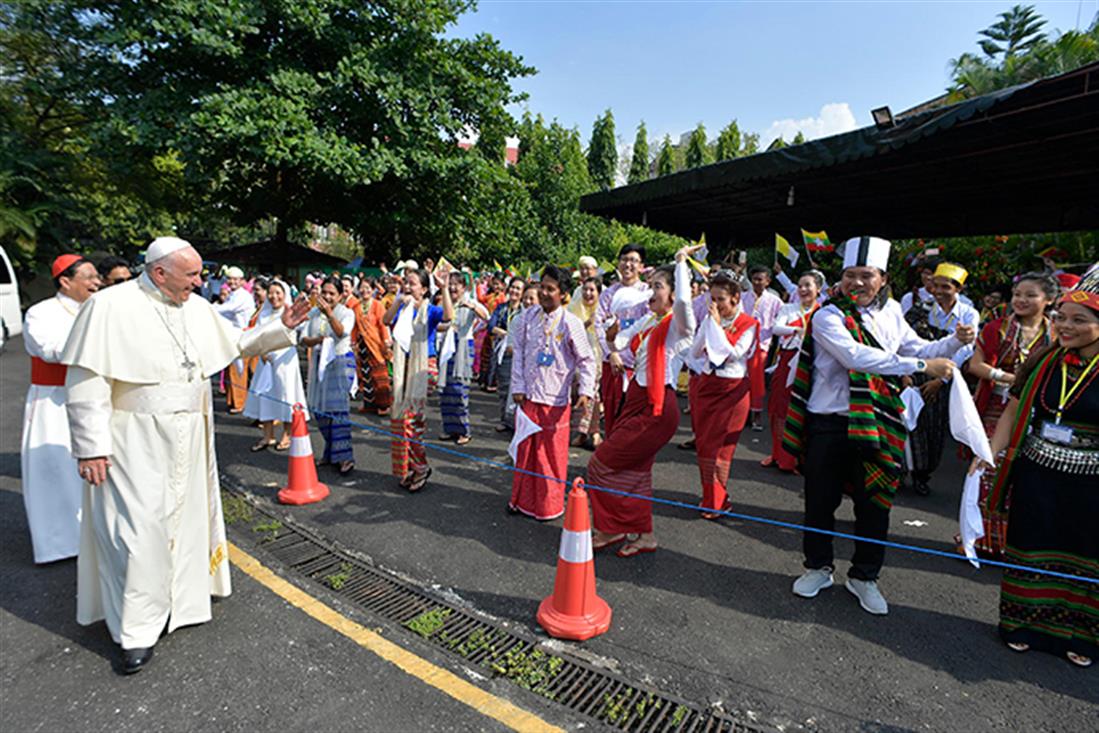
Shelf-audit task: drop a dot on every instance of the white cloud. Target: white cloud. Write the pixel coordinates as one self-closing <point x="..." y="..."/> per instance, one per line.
<point x="834" y="118"/>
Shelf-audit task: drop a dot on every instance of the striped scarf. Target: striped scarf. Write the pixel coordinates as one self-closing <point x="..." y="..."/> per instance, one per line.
<point x="1001" y="487"/>
<point x="874" y="422"/>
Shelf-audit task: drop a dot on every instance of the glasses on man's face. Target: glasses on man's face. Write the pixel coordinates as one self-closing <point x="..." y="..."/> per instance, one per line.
<point x="630" y="261"/>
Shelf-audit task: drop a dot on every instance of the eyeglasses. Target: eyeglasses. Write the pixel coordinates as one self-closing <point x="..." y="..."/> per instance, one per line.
<point x="629" y="260"/>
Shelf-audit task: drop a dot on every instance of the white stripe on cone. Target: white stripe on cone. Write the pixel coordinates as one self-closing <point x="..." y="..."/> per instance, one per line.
<point x="300" y="447"/>
<point x="575" y="546"/>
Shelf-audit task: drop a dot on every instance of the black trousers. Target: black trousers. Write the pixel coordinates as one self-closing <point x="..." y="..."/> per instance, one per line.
<point x="831" y="462"/>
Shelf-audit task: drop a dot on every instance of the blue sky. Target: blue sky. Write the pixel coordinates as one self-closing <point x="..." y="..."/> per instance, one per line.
<point x="774" y="66"/>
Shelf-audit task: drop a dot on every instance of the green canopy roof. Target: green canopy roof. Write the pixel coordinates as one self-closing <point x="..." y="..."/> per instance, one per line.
<point x="1024" y="159"/>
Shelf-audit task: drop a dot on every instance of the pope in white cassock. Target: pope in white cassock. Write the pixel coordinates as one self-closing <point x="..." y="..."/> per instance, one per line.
<point x="140" y="357"/>
<point x="51" y="487"/>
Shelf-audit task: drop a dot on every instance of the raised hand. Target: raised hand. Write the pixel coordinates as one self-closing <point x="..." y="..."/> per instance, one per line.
<point x="296" y="314"/>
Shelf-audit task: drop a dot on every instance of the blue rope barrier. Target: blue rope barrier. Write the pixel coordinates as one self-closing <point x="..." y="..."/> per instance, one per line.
<point x="691" y="507"/>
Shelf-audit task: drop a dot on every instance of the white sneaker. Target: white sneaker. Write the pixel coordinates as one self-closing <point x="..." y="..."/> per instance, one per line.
<point x="870" y="598"/>
<point x="813" y="582"/>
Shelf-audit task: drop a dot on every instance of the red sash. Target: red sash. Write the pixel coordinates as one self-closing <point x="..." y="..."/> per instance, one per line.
<point x="656" y="366"/>
<point x="741" y="323"/>
<point x="47" y="373"/>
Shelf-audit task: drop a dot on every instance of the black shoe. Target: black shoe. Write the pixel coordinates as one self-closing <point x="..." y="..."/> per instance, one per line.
<point x="687" y="445"/>
<point x="134" y="660"/>
<point x="920" y="486"/>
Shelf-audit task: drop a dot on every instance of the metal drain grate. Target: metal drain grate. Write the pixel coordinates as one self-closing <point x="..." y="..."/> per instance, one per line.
<point x="480" y="643"/>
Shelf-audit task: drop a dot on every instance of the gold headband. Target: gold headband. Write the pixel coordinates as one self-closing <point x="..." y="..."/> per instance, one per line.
<point x="954" y="272"/>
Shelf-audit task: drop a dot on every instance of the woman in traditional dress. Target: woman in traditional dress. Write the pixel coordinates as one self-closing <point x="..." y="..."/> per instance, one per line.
<point x="720" y="358"/>
<point x="946" y="312"/>
<point x="650" y="415"/>
<point x="487" y="371"/>
<point x="413" y="323"/>
<point x="331" y="373"/>
<point x="790" y="328"/>
<point x="1003" y="346"/>
<point x="499" y="325"/>
<point x="586" y="430"/>
<point x="456" y="361"/>
<point x="1050" y="430"/>
<point x="276" y="384"/>
<point x="371" y="340"/>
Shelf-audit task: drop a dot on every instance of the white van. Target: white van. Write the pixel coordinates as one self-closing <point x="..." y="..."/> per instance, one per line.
<point x="11" y="318"/>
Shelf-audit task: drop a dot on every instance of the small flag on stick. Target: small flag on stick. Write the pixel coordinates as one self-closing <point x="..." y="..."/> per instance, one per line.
<point x="782" y="247"/>
<point x="817" y="241"/>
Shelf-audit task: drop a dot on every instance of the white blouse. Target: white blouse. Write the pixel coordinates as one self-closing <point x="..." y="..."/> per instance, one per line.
<point x="680" y="332"/>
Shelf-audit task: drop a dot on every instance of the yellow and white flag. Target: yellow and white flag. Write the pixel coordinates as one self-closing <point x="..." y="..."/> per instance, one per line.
<point x="785" y="249"/>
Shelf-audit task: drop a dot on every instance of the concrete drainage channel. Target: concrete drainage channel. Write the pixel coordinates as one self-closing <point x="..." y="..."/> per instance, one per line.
<point x="477" y="641"/>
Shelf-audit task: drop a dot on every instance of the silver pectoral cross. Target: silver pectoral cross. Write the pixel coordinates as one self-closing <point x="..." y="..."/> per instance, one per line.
<point x="188" y="365"/>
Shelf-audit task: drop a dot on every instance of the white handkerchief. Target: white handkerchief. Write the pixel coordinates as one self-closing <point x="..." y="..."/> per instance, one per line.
<point x="327" y="347"/>
<point x="261" y="380"/>
<point x="913" y="403"/>
<point x="965" y="423"/>
<point x="625" y="298"/>
<point x="446" y="353"/>
<point x="524" y="428"/>
<point x="969" y="515"/>
<point x="402" y="329"/>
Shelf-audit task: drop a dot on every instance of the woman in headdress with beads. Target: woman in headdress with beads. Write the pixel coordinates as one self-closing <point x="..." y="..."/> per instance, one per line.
<point x="1050" y="469"/>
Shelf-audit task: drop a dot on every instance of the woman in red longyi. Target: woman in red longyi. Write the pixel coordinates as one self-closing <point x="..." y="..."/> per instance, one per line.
<point x="649" y="417"/>
<point x="724" y="350"/>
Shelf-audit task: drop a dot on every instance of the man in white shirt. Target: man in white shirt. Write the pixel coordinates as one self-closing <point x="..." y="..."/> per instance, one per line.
<point x="621" y="304"/>
<point x="762" y="304"/>
<point x="846" y="424"/>
<point x="947" y="311"/>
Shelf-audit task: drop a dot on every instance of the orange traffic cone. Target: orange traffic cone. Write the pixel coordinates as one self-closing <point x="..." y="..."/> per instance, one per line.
<point x="302" y="486"/>
<point x="574" y="611"/>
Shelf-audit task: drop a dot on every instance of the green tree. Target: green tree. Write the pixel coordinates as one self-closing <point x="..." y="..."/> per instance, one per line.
<point x="665" y="159"/>
<point x="1018" y="30"/>
<point x="639" y="164"/>
<point x="492" y="142"/>
<point x="799" y="138"/>
<point x="698" y="152"/>
<point x="603" y="152"/>
<point x="1014" y="51"/>
<point x="728" y="142"/>
<point x="298" y="110"/>
<point x="777" y="144"/>
<point x="751" y="144"/>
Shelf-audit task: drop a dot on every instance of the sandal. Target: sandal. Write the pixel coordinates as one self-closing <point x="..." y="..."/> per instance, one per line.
<point x="419" y="481"/>
<point x="406" y="480"/>
<point x="262" y="445"/>
<point x="1078" y="659"/>
<point x="727" y="506"/>
<point x="463" y="439"/>
<point x="346" y="467"/>
<point x="633" y="549"/>
<point x="283" y="445"/>
<point x="1018" y="646"/>
<point x="767" y="462"/>
<point x="609" y="543"/>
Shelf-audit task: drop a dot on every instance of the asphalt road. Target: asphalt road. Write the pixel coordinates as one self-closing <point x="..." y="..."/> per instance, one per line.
<point x="710" y="617"/>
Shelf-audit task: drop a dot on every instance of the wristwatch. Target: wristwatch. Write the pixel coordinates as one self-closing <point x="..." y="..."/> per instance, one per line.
<point x="921" y="366"/>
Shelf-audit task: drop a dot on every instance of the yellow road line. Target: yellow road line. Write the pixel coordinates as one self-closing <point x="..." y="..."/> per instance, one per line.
<point x="483" y="702"/>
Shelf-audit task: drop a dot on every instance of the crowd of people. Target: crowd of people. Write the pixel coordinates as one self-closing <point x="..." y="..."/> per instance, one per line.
<point x="858" y="402"/>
